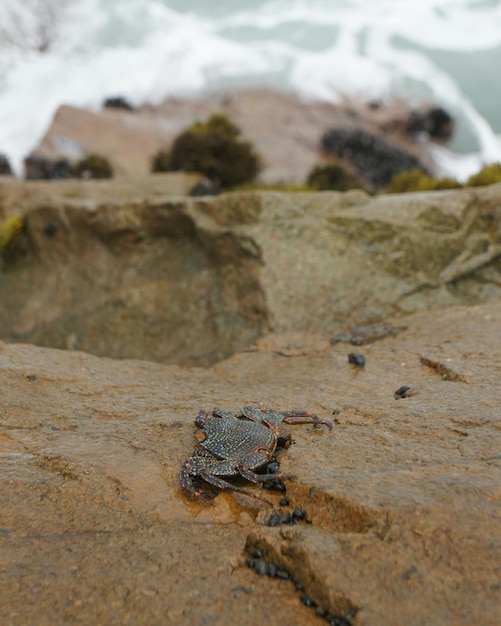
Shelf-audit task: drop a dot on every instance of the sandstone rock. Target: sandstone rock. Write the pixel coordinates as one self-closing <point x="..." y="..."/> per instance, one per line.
<point x="286" y="131"/>
<point x="192" y="280"/>
<point x="402" y="497"/>
<point x="18" y="196"/>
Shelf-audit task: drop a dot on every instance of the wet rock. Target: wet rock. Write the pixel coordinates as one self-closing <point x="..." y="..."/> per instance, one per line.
<point x="404" y="496"/>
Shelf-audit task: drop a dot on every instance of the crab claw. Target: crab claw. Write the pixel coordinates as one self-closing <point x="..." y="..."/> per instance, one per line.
<point x="304" y="417"/>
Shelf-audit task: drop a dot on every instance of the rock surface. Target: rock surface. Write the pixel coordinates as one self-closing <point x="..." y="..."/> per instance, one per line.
<point x="402" y="496"/>
<point x="285" y="130"/>
<point x="191" y="280"/>
<point x="19" y="196"/>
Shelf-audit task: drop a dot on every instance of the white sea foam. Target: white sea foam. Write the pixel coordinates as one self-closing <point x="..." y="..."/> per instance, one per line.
<point x="146" y="50"/>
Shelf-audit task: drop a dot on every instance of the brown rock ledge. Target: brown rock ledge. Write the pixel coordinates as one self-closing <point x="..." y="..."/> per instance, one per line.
<point x="192" y="280"/>
<point x="403" y="495"/>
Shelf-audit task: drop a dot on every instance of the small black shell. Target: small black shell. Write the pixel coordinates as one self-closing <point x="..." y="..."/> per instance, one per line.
<point x="355" y="358"/>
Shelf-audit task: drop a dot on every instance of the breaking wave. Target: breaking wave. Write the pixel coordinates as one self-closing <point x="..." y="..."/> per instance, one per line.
<point x="79" y="52"/>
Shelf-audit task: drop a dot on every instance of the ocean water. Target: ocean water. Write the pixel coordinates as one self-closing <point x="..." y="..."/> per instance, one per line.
<point x="79" y="52"/>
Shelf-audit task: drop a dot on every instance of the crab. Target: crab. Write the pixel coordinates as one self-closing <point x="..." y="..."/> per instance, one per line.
<point x="236" y="444"/>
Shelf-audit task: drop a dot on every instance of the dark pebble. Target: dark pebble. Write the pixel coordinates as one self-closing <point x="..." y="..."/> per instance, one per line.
<point x="284" y="502"/>
<point x="298" y="514"/>
<point x="307" y="601"/>
<point x="49" y="229"/>
<point x="284" y="574"/>
<point x="275" y="485"/>
<point x="402" y="392"/>
<point x="320" y="612"/>
<point x="341" y="620"/>
<point x="272" y="570"/>
<point x="356" y="359"/>
<point x="274" y="520"/>
<point x="261" y="567"/>
<point x="299" y="586"/>
<point x="31" y="377"/>
<point x="256" y="553"/>
<point x="273" y="467"/>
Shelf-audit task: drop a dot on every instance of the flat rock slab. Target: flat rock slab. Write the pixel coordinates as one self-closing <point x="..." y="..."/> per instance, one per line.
<point x="402" y="496"/>
<point x="193" y="280"/>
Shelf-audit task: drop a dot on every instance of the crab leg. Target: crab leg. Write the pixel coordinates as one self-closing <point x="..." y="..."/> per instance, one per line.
<point x="201" y="417"/>
<point x="248" y="474"/>
<point x="303" y="417"/>
<point x="187" y="483"/>
<point x="222" y="484"/>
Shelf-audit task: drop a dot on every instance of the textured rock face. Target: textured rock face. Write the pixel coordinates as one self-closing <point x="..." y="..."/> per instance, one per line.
<point x="192" y="281"/>
<point x="402" y="496"/>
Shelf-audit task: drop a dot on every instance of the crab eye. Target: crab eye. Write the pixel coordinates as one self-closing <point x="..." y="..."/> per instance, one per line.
<point x="200" y="435"/>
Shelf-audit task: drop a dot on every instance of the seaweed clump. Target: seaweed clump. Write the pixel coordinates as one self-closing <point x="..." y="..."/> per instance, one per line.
<point x="375" y="158"/>
<point x="5" y="167"/>
<point x="417" y="180"/>
<point x="43" y="168"/>
<point x="92" y="166"/>
<point x="333" y="177"/>
<point x="118" y="102"/>
<point x="213" y="148"/>
<point x="488" y="175"/>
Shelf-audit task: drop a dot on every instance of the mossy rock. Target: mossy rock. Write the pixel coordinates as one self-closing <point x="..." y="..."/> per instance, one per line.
<point x="213" y="148"/>
<point x="11" y="232"/>
<point x="488" y="175"/>
<point x="333" y="177"/>
<point x="92" y="166"/>
<point x="417" y="180"/>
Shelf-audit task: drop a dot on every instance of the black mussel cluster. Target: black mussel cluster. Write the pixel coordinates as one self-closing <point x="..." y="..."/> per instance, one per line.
<point x="261" y="566"/>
